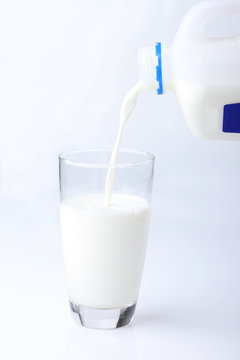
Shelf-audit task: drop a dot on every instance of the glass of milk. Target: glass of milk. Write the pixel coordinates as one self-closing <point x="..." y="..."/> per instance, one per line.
<point x="103" y="243"/>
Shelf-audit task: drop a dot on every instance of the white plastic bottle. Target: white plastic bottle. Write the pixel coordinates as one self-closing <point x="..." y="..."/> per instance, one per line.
<point x="203" y="71"/>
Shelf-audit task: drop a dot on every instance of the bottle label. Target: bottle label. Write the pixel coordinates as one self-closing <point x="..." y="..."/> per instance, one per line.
<point x="231" y="118"/>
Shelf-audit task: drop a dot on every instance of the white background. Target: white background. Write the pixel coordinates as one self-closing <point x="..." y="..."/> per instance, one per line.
<point x="65" y="67"/>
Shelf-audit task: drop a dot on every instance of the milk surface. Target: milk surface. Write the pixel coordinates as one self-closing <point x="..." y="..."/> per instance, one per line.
<point x="104" y="248"/>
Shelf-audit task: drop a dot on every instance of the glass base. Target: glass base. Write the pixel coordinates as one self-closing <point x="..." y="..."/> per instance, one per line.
<point x="102" y="318"/>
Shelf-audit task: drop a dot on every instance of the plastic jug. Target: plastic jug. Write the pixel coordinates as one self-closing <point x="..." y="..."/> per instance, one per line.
<point x="203" y="71"/>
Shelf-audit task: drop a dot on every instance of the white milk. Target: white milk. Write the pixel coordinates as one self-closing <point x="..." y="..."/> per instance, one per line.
<point x="128" y="105"/>
<point x="104" y="248"/>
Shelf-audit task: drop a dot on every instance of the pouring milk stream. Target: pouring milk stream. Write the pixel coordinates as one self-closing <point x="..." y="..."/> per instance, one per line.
<point x="127" y="107"/>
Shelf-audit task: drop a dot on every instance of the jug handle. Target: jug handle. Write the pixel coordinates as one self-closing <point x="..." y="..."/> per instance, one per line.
<point x="193" y="24"/>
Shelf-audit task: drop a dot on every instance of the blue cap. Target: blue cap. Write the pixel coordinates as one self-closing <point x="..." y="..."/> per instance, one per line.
<point x="158" y="52"/>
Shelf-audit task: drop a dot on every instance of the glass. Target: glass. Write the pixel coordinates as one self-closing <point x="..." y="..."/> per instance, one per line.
<point x="104" y="246"/>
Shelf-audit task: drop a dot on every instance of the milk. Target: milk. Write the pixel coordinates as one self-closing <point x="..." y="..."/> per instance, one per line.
<point x="128" y="105"/>
<point x="104" y="248"/>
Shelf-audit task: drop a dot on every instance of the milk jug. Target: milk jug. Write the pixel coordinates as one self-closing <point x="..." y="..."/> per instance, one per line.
<point x="203" y="71"/>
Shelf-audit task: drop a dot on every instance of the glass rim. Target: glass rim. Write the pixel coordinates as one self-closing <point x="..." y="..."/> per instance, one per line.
<point x="148" y="158"/>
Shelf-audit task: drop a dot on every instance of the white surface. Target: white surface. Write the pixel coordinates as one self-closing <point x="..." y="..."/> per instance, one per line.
<point x="62" y="63"/>
<point x="189" y="301"/>
<point x="106" y="243"/>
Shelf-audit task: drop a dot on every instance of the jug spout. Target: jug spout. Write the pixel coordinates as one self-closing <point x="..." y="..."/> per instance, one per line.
<point x="155" y="68"/>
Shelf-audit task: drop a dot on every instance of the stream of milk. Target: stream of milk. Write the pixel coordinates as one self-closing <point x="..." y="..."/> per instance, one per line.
<point x="128" y="105"/>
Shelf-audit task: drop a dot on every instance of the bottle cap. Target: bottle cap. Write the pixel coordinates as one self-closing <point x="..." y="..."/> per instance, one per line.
<point x="158" y="49"/>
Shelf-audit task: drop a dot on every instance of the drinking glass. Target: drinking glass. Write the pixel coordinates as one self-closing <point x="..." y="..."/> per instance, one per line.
<point x="104" y="245"/>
